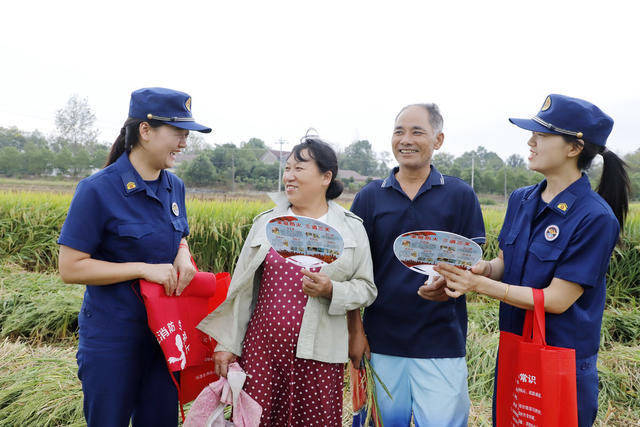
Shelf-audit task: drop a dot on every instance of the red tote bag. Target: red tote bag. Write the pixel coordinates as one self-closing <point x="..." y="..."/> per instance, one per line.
<point x="536" y="382"/>
<point x="173" y="320"/>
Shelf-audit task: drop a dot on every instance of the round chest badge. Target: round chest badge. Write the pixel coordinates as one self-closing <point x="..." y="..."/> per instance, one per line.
<point x="174" y="209"/>
<point x="551" y="233"/>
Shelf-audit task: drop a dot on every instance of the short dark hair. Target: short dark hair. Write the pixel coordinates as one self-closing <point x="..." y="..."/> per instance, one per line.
<point x="324" y="157"/>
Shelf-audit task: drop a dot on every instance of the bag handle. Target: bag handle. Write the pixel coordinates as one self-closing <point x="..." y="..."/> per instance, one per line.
<point x="534" y="321"/>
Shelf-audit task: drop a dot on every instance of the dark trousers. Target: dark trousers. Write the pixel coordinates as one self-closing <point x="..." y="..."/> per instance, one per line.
<point x="126" y="379"/>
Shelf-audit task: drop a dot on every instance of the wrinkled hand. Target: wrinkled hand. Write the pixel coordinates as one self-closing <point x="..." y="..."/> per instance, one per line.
<point x="222" y="360"/>
<point x="358" y="347"/>
<point x="185" y="269"/>
<point x="434" y="291"/>
<point x="316" y="284"/>
<point x="163" y="274"/>
<point x="459" y="281"/>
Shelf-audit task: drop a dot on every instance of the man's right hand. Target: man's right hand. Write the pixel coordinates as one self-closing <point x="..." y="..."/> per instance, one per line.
<point x="435" y="290"/>
<point x="358" y="347"/>
<point x="222" y="360"/>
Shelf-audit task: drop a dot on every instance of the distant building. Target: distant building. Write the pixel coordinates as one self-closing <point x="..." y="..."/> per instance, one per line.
<point x="272" y="156"/>
<point x="348" y="174"/>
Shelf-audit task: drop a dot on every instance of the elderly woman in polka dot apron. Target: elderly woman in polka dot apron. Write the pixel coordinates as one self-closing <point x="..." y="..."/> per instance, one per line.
<point x="287" y="324"/>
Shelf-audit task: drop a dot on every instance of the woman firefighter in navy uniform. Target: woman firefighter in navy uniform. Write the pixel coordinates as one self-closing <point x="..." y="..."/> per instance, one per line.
<point x="128" y="222"/>
<point x="558" y="236"/>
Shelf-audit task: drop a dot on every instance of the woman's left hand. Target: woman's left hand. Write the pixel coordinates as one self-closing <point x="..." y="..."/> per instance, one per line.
<point x="316" y="284"/>
<point x="185" y="269"/>
<point x="459" y="281"/>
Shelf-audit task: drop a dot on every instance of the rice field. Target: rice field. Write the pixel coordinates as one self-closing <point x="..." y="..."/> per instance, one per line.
<point x="38" y="326"/>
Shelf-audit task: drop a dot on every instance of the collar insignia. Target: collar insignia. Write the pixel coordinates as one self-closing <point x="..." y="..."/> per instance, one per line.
<point x="131" y="185"/>
<point x="562" y="207"/>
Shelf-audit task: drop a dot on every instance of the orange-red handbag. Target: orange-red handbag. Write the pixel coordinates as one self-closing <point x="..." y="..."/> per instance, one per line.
<point x="536" y="382"/>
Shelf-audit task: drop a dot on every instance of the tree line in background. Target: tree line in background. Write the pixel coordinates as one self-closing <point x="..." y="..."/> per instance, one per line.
<point x="74" y="151"/>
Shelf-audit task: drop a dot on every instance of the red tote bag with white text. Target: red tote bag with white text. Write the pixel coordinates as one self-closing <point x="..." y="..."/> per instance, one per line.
<point x="173" y="320"/>
<point x="536" y="382"/>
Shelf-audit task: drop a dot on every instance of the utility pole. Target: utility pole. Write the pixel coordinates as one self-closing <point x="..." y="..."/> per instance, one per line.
<point x="281" y="141"/>
<point x="233" y="172"/>
<point x="473" y="166"/>
<point x="505" y="182"/>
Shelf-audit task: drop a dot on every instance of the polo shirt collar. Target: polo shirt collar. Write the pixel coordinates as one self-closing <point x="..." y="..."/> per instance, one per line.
<point x="564" y="201"/>
<point x="434" y="179"/>
<point x="132" y="182"/>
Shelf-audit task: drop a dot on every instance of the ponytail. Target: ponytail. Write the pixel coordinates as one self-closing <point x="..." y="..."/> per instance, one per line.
<point x="128" y="138"/>
<point x="614" y="186"/>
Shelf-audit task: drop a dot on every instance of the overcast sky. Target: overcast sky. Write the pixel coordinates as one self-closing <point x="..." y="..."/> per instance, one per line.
<point x="271" y="69"/>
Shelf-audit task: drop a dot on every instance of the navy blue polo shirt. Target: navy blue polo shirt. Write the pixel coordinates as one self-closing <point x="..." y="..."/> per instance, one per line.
<point x="400" y="322"/>
<point x="572" y="239"/>
<point x="114" y="216"/>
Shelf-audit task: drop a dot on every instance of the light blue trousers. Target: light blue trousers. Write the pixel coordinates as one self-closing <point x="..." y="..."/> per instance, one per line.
<point x="434" y="390"/>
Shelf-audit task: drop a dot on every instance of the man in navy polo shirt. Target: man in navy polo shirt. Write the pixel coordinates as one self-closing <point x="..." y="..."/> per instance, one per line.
<point x="416" y="334"/>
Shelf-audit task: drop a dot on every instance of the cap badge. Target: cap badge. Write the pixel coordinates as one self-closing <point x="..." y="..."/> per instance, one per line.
<point x="562" y="207"/>
<point x="174" y="209"/>
<point x="188" y="104"/>
<point x="131" y="185"/>
<point x="547" y="104"/>
<point x="551" y="233"/>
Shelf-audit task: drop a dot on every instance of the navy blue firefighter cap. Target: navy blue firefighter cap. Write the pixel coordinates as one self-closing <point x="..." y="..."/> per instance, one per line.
<point x="166" y="105"/>
<point x="563" y="115"/>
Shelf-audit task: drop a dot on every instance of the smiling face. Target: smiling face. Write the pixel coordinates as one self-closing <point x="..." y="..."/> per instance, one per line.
<point x="304" y="183"/>
<point x="162" y="144"/>
<point x="550" y="153"/>
<point x="414" y="140"/>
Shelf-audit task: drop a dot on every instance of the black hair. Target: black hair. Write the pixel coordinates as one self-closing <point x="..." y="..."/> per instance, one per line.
<point x="128" y="138"/>
<point x="324" y="157"/>
<point x="614" y="186"/>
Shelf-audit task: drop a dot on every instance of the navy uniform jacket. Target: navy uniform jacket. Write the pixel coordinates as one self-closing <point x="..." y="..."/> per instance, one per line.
<point x="114" y="216"/>
<point x="572" y="238"/>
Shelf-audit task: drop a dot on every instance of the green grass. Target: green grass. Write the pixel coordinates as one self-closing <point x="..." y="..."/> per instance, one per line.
<point x="39" y="386"/>
<point x="38" y="307"/>
<point x="38" y="313"/>
<point x="30" y="223"/>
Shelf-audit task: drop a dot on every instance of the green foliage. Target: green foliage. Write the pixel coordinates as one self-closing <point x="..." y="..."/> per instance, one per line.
<point x="360" y="157"/>
<point x="218" y="230"/>
<point x="37" y="306"/>
<point x="39" y="386"/>
<point x="10" y="161"/>
<point x="75" y="123"/>
<point x="623" y="278"/>
<point x="29" y="225"/>
<point x="198" y="172"/>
